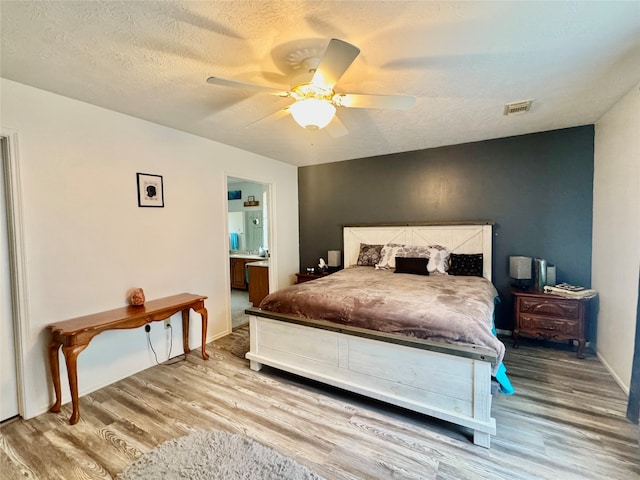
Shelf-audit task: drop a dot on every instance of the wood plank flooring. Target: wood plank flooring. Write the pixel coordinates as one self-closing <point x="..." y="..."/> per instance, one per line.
<point x="566" y="421"/>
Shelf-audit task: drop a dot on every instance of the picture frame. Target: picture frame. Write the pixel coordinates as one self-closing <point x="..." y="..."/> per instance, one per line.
<point x="150" y="190"/>
<point x="234" y="195"/>
<point x="251" y="201"/>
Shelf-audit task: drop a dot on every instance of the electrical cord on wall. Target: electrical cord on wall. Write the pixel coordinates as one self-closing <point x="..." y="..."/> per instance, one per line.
<point x="180" y="358"/>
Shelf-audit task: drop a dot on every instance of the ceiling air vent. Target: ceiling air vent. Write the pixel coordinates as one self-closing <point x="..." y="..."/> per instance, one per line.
<point x="517" y="107"/>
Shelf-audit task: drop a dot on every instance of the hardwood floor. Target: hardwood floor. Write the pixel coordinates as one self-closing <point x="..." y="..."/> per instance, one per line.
<point x="566" y="421"/>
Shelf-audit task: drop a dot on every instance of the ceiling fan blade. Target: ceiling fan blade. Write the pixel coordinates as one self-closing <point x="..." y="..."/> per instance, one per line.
<point x="283" y="112"/>
<point x="247" y="86"/>
<point x="336" y="128"/>
<point x="336" y="59"/>
<point x="391" y="102"/>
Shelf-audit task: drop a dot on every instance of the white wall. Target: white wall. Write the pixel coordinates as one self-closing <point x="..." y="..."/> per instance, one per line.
<point x="87" y="243"/>
<point x="616" y="233"/>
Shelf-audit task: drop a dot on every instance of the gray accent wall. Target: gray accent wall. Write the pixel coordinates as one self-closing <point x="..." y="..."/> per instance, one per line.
<point x="537" y="189"/>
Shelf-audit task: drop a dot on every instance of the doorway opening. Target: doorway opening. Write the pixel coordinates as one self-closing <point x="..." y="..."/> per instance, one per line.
<point x="249" y="229"/>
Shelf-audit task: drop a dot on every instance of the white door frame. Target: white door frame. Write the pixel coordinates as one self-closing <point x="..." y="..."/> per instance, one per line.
<point x="270" y="192"/>
<point x="13" y="194"/>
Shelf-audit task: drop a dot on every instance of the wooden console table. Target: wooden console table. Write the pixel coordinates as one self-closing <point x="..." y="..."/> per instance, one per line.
<point x="74" y="335"/>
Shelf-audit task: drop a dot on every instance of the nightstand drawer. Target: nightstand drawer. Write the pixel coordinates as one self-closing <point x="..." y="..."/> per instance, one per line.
<point x="552" y="308"/>
<point x="550" y="326"/>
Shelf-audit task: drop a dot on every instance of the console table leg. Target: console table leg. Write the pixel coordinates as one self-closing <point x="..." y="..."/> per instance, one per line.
<point x="205" y="321"/>
<point x="580" y="350"/>
<point x="71" y="358"/>
<point x="185" y="331"/>
<point x="54" y="365"/>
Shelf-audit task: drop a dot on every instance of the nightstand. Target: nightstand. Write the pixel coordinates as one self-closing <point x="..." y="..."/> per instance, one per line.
<point x="306" y="277"/>
<point x="549" y="317"/>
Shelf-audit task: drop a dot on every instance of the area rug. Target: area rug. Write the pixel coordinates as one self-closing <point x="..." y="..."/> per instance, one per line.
<point x="215" y="455"/>
<point x="240" y="347"/>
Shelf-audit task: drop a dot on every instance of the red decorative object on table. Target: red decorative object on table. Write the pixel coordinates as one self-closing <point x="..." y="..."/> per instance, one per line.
<point x="137" y="297"/>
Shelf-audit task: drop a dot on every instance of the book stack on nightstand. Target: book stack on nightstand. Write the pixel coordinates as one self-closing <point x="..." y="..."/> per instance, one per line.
<point x="570" y="291"/>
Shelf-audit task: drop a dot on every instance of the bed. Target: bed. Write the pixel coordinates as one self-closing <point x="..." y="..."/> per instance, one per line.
<point x="444" y="375"/>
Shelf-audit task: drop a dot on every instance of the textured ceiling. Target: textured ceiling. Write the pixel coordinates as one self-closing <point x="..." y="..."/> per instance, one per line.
<point x="462" y="60"/>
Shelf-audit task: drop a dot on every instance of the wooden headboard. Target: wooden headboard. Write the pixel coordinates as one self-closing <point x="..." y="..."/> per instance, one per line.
<point x="459" y="238"/>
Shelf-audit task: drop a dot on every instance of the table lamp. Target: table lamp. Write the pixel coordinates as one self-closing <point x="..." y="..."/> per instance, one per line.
<point x="520" y="271"/>
<point x="334" y="259"/>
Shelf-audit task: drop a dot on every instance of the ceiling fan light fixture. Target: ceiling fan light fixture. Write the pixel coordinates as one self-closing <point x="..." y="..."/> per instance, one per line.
<point x="312" y="113"/>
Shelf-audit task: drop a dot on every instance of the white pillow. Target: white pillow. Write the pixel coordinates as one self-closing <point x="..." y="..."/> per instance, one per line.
<point x="438" y="259"/>
<point x="388" y="256"/>
<point x="414" y="251"/>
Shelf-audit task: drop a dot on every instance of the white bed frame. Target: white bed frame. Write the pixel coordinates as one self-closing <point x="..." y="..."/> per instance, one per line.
<point x="449" y="382"/>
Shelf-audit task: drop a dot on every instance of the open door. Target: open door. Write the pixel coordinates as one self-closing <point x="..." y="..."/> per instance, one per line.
<point x="9" y="406"/>
<point x="633" y="407"/>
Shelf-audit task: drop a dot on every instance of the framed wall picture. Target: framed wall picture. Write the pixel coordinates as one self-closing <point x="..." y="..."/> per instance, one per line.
<point x="150" y="191"/>
<point x="234" y="195"/>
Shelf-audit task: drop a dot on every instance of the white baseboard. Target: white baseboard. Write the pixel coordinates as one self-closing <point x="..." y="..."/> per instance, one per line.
<point x="621" y="384"/>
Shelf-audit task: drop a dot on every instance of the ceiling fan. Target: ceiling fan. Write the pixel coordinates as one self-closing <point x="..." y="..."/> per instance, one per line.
<point x="315" y="99"/>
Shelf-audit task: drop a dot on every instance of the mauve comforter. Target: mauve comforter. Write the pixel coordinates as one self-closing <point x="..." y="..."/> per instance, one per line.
<point x="452" y="309"/>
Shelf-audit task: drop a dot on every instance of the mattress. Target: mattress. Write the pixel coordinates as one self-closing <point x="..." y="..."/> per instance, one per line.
<point x="444" y="308"/>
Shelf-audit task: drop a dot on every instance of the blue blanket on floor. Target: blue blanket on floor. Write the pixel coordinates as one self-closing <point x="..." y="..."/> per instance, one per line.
<point x="501" y="375"/>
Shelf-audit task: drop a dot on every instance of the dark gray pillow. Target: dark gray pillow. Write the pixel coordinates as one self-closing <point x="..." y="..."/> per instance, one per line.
<point x="416" y="266"/>
<point x="469" y="265"/>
